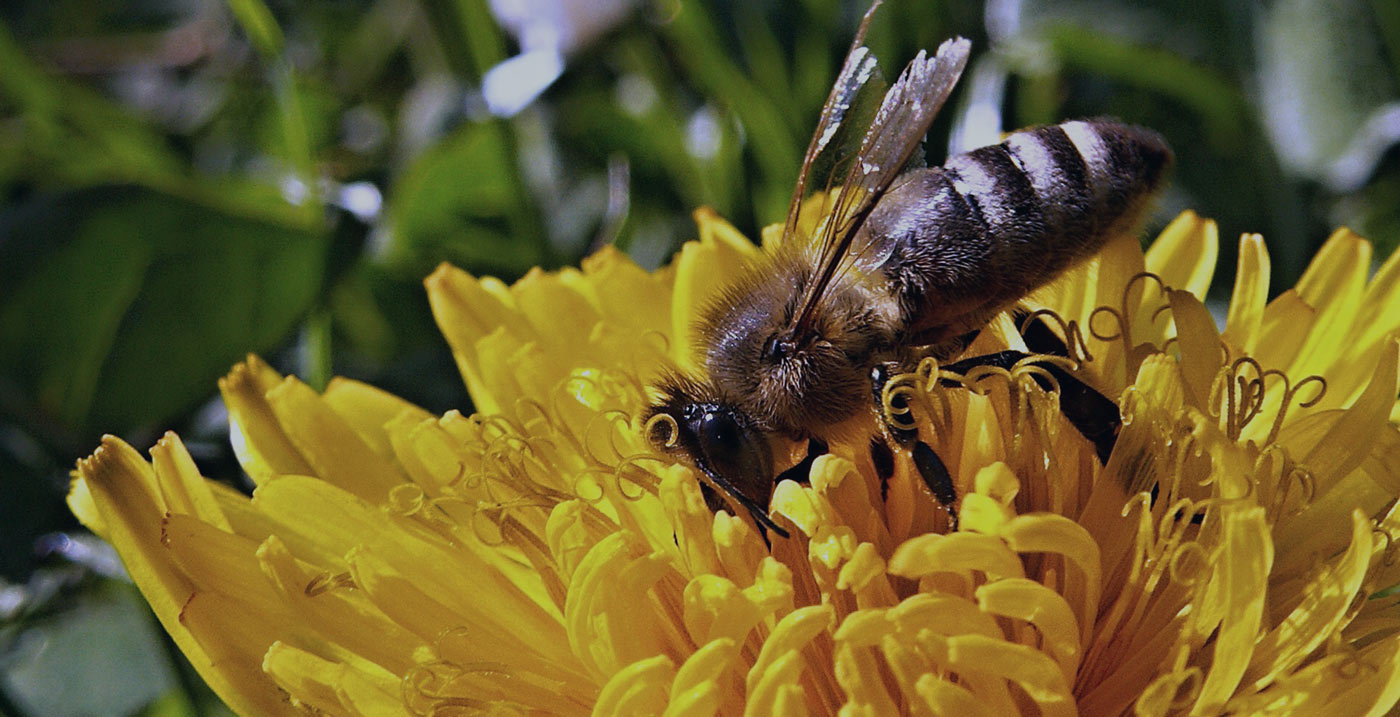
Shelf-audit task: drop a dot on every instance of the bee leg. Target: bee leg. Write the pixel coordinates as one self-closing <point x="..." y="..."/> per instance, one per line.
<point x="1038" y="336"/>
<point x="1090" y="412"/>
<point x="935" y="475"/>
<point x="931" y="468"/>
<point x="883" y="459"/>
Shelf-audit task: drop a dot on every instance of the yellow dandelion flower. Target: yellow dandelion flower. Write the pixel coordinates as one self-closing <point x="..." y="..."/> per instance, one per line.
<point x="541" y="557"/>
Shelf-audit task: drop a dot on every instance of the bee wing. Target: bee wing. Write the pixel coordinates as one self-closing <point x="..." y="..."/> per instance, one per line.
<point x="905" y="113"/>
<point x="859" y="67"/>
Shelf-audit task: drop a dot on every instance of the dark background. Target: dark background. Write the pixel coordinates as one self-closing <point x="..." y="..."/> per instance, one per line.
<point x="186" y="181"/>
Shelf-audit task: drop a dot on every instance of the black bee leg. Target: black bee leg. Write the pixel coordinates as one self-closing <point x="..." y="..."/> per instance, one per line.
<point x="883" y="459"/>
<point x="1038" y="336"/>
<point x="1090" y="412"/>
<point x="931" y="468"/>
<point x="935" y="475"/>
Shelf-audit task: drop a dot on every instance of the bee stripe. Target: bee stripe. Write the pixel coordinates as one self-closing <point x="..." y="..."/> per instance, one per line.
<point x="1058" y="177"/>
<point x="990" y="179"/>
<point x="1098" y="159"/>
<point x="968" y="191"/>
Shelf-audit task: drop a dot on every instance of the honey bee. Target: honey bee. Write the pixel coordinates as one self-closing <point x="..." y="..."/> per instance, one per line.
<point x="905" y="263"/>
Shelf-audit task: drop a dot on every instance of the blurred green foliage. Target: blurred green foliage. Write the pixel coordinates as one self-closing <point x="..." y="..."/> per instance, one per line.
<point x="186" y="181"/>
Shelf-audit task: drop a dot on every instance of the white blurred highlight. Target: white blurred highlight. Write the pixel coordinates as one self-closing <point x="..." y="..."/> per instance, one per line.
<point x="547" y="31"/>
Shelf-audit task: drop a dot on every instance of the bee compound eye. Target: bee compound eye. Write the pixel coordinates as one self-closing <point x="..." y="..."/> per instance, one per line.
<point x="732" y="451"/>
<point x="720" y="433"/>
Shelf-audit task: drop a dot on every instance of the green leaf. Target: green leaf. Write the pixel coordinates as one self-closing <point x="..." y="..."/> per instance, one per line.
<point x="101" y="655"/>
<point x="458" y="202"/>
<point x="65" y="133"/>
<point x="256" y="20"/>
<point x="124" y="305"/>
<point x="1322" y="70"/>
<point x="1220" y="105"/>
<point x="467" y="35"/>
<point x="777" y="148"/>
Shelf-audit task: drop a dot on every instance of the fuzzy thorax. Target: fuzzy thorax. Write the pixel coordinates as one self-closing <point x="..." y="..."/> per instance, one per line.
<point x="795" y="383"/>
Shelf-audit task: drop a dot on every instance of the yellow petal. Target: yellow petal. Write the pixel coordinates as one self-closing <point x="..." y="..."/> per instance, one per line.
<point x="1029" y="668"/>
<point x="367" y="410"/>
<point x="958" y="553"/>
<point x="1365" y="682"/>
<point x="1185" y="253"/>
<point x="1042" y="607"/>
<point x="781" y="656"/>
<point x="697" y="689"/>
<point x="1333" y="284"/>
<point x="626" y="294"/>
<point x="235" y="641"/>
<point x="84" y="509"/>
<point x="312" y="679"/>
<point x="1241" y="573"/>
<point x="1379" y="316"/>
<point x="260" y="443"/>
<point x="1322" y="611"/>
<point x="544" y="300"/>
<point x="1059" y="535"/>
<point x="858" y="673"/>
<point x="769" y="691"/>
<point x="1332" y="445"/>
<point x="639" y="688"/>
<point x="1284" y="329"/>
<point x="329" y="444"/>
<point x="1199" y="344"/>
<point x="1250" y="294"/>
<point x="690" y="518"/>
<point x="121" y="485"/>
<point x="183" y="489"/>
<point x="942" y="614"/>
<point x="703" y="269"/>
<point x="333" y="608"/>
<point x="946" y="698"/>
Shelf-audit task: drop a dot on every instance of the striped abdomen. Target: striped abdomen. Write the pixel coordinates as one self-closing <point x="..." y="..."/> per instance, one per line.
<point x="970" y="237"/>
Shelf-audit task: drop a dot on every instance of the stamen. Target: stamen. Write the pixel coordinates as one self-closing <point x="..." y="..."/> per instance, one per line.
<point x="1282" y="481"/>
<point x="498" y="514"/>
<point x="406" y="499"/>
<point x="423" y="688"/>
<point x="588" y="487"/>
<point x="1123" y="317"/>
<point x="1237" y="399"/>
<point x="1075" y="345"/>
<point x="673" y="429"/>
<point x="622" y="425"/>
<point x="1180" y="575"/>
<point x="646" y="483"/>
<point x="1289" y="393"/>
<point x="1180" y="447"/>
<point x="895" y="400"/>
<point x="928" y="371"/>
<point x="976" y="380"/>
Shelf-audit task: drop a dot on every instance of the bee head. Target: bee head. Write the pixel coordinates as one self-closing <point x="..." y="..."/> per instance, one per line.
<point x="720" y="440"/>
